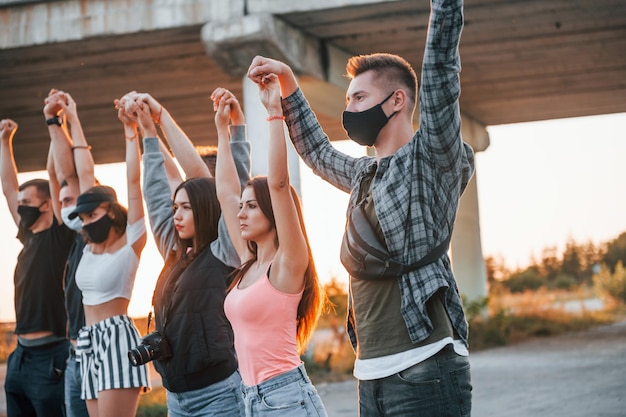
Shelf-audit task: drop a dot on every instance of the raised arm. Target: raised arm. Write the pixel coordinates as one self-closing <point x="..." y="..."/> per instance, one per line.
<point x="60" y="165"/>
<point x="82" y="157"/>
<point x="60" y="141"/>
<point x="54" y="185"/>
<point x="135" y="202"/>
<point x="227" y="181"/>
<point x="8" y="169"/>
<point x="182" y="147"/>
<point x="157" y="186"/>
<point x="440" y="120"/>
<point x="171" y="170"/>
<point x="239" y="145"/>
<point x="292" y="258"/>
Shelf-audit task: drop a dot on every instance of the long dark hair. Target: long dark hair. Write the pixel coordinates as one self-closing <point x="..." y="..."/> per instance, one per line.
<point x="206" y="214"/>
<point x="313" y="298"/>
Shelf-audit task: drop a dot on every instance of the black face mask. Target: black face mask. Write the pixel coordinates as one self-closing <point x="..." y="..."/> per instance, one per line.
<point x="363" y="127"/>
<point x="28" y="215"/>
<point x="98" y="231"/>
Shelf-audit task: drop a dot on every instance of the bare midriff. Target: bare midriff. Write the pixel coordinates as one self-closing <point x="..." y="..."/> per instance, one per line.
<point x="97" y="313"/>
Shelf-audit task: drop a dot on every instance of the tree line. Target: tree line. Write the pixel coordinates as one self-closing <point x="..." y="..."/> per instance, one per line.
<point x="576" y="265"/>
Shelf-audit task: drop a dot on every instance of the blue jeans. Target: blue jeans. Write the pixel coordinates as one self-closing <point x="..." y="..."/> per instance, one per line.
<point x="75" y="407"/>
<point x="438" y="387"/>
<point x="222" y="398"/>
<point x="34" y="380"/>
<point x="290" y="394"/>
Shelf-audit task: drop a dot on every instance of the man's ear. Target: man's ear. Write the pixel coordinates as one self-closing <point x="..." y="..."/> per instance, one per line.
<point x="46" y="205"/>
<point x="399" y="99"/>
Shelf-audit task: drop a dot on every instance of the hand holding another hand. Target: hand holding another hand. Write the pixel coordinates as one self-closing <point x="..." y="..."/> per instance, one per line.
<point x="227" y="108"/>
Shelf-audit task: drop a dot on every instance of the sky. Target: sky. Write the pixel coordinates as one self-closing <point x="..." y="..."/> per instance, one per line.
<point x="539" y="184"/>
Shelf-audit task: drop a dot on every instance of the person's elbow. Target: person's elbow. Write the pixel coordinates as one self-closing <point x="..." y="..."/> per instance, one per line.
<point x="278" y="184"/>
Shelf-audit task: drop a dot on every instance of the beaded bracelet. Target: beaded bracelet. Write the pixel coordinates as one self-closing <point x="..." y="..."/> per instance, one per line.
<point x="275" y="117"/>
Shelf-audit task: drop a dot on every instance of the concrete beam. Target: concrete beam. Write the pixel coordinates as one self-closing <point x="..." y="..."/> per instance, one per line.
<point x="288" y="6"/>
<point x="29" y="23"/>
<point x="234" y="44"/>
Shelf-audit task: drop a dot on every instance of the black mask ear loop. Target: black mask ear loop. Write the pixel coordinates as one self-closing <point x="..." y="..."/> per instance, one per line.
<point x="383" y="102"/>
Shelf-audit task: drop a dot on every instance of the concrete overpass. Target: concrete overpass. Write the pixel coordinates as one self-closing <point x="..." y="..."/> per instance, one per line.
<point x="523" y="60"/>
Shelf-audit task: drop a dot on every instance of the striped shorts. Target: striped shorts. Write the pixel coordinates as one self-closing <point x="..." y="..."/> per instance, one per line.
<point x="102" y="350"/>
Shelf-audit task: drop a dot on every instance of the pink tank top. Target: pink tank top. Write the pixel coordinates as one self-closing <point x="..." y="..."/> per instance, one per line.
<point x="264" y="324"/>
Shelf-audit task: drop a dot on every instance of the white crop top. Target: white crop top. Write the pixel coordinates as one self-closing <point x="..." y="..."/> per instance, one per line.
<point x="103" y="277"/>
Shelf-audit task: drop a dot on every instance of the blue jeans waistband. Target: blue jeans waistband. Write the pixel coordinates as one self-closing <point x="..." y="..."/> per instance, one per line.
<point x="296" y="374"/>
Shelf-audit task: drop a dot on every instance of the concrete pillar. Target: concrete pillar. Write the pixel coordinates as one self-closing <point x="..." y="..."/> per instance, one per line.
<point x="466" y="247"/>
<point x="258" y="134"/>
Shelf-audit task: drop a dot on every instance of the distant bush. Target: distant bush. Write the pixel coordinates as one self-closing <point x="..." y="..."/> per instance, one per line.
<point x="565" y="282"/>
<point x="611" y="284"/>
<point x="8" y="341"/>
<point x="514" y="317"/>
<point x="528" y="279"/>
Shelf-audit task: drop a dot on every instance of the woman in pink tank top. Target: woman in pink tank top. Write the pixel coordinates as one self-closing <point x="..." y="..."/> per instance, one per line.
<point x="276" y="298"/>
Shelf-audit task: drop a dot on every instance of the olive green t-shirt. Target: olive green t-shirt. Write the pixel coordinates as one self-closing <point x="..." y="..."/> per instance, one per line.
<point x="379" y="326"/>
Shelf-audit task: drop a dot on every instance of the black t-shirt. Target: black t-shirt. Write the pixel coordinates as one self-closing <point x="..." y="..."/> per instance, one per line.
<point x="73" y="295"/>
<point x="39" y="299"/>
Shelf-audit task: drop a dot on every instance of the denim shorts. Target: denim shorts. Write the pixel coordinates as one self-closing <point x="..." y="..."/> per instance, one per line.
<point x="222" y="398"/>
<point x="290" y="394"/>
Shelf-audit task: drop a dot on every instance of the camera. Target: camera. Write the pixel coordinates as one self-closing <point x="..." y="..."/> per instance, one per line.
<point x="153" y="347"/>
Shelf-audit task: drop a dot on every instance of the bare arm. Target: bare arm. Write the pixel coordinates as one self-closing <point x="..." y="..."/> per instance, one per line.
<point x="149" y="130"/>
<point x="54" y="186"/>
<point x="82" y="157"/>
<point x="292" y="258"/>
<point x="227" y="180"/>
<point x="184" y="150"/>
<point x="133" y="173"/>
<point x="8" y="169"/>
<point x="60" y="141"/>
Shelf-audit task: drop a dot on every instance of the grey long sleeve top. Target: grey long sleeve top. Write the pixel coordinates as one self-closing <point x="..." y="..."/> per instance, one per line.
<point x="159" y="200"/>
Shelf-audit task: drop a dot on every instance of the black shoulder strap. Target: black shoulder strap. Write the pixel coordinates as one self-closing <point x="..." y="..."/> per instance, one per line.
<point x="436" y="253"/>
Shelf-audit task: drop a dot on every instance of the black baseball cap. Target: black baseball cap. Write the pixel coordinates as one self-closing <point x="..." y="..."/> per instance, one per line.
<point x="92" y="198"/>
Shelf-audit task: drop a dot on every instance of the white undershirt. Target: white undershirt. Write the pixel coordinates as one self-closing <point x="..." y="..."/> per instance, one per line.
<point x="384" y="366"/>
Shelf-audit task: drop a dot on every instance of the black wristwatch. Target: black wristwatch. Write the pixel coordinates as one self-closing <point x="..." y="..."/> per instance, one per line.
<point x="56" y="120"/>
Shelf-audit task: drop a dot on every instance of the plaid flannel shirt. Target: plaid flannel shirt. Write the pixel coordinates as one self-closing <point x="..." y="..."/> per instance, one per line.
<point x="416" y="191"/>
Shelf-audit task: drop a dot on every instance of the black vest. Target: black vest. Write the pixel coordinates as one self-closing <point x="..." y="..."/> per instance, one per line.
<point x="189" y="313"/>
